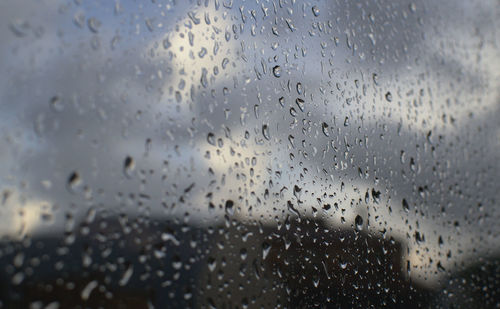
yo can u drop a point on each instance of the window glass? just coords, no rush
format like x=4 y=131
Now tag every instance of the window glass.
x=249 y=154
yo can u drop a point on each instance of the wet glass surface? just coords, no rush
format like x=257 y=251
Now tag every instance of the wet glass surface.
x=249 y=154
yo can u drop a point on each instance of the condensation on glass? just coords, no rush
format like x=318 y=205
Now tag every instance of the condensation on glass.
x=249 y=154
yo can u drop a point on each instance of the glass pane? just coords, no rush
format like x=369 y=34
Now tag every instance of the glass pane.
x=249 y=154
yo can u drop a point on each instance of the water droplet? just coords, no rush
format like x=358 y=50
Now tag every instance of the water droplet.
x=419 y=238
x=148 y=145
x=376 y=196
x=282 y=101
x=230 y=207
x=212 y=263
x=406 y=207
x=243 y=254
x=56 y=104
x=52 y=305
x=324 y=128
x=19 y=27
x=18 y=278
x=388 y=97
x=300 y=103
x=277 y=71
x=74 y=181
x=316 y=281
x=176 y=263
x=128 y=166
x=188 y=295
x=94 y=24
x=168 y=235
x=265 y=250
x=291 y=139
x=149 y=24
x=315 y=11
x=300 y=88
x=297 y=192
x=85 y=294
x=413 y=166
x=211 y=138
x=359 y=222
x=343 y=265
x=127 y=275
x=265 y=132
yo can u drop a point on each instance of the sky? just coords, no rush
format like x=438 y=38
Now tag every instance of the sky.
x=375 y=104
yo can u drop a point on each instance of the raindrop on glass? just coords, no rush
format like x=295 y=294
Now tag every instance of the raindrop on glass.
x=211 y=139
x=324 y=128
x=265 y=132
x=359 y=222
x=128 y=166
x=388 y=97
x=277 y=71
x=315 y=11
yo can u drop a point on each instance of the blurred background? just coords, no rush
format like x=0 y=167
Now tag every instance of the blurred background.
x=249 y=154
